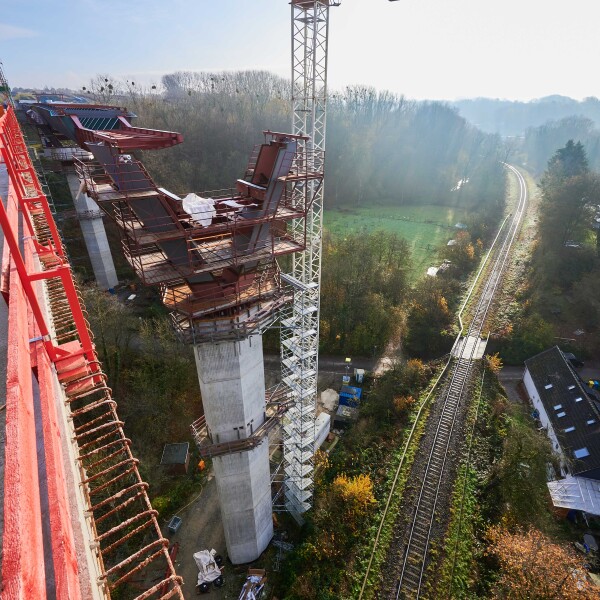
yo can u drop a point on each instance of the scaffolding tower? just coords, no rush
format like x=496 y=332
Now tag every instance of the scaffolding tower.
x=300 y=326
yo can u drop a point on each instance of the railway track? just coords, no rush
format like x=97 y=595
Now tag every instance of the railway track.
x=432 y=494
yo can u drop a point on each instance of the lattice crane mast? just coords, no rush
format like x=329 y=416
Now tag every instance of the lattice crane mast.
x=300 y=327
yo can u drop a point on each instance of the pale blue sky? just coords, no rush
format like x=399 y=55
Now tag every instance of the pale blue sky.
x=439 y=49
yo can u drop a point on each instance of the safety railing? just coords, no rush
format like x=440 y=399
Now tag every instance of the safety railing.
x=124 y=528
x=209 y=448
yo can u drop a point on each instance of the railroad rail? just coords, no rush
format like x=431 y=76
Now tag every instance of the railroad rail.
x=414 y=561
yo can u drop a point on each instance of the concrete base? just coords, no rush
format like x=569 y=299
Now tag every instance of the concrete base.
x=232 y=384
x=94 y=235
x=244 y=484
x=470 y=347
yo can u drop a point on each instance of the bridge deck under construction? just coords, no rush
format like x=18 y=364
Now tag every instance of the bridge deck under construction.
x=68 y=464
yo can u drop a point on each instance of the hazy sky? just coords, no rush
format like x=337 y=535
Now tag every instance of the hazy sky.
x=438 y=49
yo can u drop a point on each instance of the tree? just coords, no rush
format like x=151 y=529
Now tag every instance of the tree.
x=402 y=405
x=569 y=161
x=428 y=321
x=541 y=142
x=462 y=254
x=355 y=495
x=521 y=473
x=364 y=281
x=114 y=329
x=104 y=89
x=567 y=207
x=532 y=566
x=493 y=363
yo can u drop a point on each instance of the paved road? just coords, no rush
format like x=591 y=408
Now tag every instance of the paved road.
x=331 y=364
x=201 y=529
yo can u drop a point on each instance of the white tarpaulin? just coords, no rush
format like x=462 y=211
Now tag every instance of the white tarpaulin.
x=207 y=567
x=202 y=210
x=330 y=399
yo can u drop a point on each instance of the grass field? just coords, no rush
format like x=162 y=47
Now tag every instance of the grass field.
x=425 y=227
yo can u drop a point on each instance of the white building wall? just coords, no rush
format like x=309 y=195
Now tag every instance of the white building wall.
x=534 y=396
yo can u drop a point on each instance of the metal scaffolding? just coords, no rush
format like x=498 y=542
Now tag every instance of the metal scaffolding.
x=300 y=327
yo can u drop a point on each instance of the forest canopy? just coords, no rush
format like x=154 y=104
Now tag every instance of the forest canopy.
x=381 y=149
x=380 y=146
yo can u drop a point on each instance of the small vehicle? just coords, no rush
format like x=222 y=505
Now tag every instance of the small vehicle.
x=208 y=570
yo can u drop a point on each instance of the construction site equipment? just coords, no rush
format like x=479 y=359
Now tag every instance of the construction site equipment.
x=90 y=123
x=300 y=323
x=208 y=569
x=214 y=257
x=217 y=273
x=174 y=524
x=254 y=585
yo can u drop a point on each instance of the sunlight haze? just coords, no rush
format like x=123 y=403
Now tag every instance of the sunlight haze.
x=421 y=48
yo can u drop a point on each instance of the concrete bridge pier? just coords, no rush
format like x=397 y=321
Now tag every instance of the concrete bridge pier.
x=94 y=234
x=232 y=383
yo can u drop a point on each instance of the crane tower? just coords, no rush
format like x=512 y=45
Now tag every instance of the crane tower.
x=300 y=327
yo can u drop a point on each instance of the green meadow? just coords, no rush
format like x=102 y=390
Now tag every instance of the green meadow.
x=425 y=227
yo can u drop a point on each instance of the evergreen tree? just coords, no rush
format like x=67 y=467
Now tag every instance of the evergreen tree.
x=569 y=161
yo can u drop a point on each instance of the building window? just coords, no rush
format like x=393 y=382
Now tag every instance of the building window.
x=571 y=387
x=578 y=399
x=561 y=414
x=581 y=453
x=557 y=406
x=548 y=387
x=569 y=429
x=591 y=421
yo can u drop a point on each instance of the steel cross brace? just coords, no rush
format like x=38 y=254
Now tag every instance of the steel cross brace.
x=52 y=250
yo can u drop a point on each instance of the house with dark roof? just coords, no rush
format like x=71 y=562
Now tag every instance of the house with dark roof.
x=571 y=419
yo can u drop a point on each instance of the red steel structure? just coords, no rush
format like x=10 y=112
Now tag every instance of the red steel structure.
x=96 y=123
x=99 y=531
x=218 y=275
x=220 y=278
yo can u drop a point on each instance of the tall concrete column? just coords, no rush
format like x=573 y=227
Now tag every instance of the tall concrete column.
x=232 y=383
x=94 y=234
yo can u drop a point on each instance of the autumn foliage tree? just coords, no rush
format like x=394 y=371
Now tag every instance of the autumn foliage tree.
x=355 y=495
x=402 y=404
x=493 y=363
x=532 y=566
x=428 y=321
x=463 y=253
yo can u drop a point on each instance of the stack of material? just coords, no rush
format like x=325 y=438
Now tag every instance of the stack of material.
x=255 y=583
